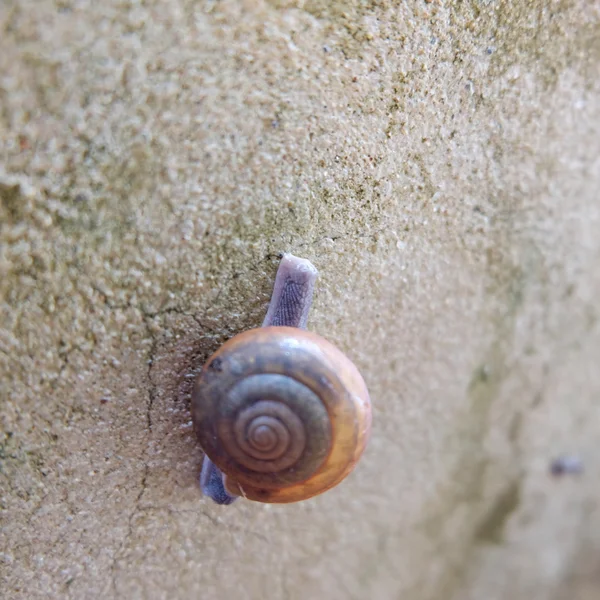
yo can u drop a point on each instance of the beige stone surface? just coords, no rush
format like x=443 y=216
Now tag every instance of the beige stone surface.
x=439 y=162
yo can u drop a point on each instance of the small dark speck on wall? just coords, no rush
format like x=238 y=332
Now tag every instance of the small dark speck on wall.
x=566 y=465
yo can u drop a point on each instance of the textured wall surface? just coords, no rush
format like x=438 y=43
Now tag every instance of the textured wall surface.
x=439 y=162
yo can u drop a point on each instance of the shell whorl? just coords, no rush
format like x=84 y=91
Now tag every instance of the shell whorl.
x=274 y=427
x=282 y=412
x=270 y=434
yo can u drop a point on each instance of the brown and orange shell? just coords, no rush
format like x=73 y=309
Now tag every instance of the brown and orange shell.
x=282 y=412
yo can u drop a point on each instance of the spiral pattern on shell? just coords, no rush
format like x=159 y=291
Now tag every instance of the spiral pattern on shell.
x=282 y=412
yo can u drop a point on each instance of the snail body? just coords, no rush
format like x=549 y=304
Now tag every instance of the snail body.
x=281 y=413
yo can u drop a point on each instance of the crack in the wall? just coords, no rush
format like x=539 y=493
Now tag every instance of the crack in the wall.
x=151 y=384
x=130 y=528
x=150 y=404
x=146 y=468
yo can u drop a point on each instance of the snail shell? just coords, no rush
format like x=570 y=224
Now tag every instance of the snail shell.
x=282 y=412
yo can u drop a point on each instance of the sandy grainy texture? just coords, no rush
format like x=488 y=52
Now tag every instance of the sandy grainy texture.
x=439 y=162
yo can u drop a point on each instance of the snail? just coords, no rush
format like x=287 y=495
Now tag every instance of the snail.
x=281 y=413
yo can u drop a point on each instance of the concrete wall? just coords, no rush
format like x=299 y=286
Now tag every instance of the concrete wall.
x=439 y=162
